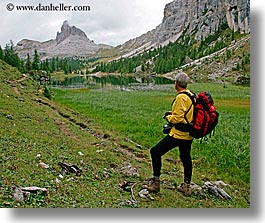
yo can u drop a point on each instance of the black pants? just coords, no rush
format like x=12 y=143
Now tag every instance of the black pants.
x=167 y=144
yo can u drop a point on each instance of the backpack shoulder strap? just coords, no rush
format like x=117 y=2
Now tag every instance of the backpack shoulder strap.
x=192 y=98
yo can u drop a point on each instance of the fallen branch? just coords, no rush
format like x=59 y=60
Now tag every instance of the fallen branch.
x=133 y=197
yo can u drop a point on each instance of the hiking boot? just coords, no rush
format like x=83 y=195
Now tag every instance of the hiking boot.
x=153 y=185
x=184 y=188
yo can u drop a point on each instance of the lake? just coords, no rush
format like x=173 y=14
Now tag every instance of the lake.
x=108 y=81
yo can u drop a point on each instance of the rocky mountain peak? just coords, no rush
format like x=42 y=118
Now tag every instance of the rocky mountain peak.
x=69 y=42
x=203 y=17
x=192 y=17
x=65 y=25
x=67 y=30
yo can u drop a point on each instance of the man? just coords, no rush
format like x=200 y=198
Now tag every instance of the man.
x=182 y=111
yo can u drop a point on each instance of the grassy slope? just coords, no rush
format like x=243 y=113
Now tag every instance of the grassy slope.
x=32 y=125
x=28 y=128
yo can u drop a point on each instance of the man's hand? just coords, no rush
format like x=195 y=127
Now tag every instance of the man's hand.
x=166 y=114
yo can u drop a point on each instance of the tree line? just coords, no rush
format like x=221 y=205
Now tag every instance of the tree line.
x=156 y=60
x=9 y=56
x=167 y=58
x=67 y=65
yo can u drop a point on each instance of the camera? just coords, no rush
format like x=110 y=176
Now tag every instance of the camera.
x=167 y=128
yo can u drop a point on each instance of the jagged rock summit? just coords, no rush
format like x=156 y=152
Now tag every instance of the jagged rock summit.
x=70 y=42
x=67 y=30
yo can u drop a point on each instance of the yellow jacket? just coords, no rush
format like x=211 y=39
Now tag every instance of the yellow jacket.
x=180 y=107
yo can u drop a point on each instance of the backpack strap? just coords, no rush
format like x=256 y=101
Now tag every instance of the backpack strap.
x=181 y=126
x=192 y=98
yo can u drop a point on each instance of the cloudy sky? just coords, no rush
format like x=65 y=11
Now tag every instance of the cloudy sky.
x=108 y=21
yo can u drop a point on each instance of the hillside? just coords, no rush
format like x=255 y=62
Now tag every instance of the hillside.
x=230 y=64
x=34 y=129
x=221 y=57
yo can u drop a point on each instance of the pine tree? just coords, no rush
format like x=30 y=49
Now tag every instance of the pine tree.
x=22 y=67
x=36 y=60
x=28 y=63
x=10 y=57
x=1 y=53
x=46 y=65
x=52 y=65
x=57 y=64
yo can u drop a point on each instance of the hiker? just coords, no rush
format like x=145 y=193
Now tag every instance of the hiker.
x=182 y=106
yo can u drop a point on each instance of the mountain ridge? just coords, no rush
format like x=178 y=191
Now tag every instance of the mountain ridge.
x=70 y=42
x=191 y=17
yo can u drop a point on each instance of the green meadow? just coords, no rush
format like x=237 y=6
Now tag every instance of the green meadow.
x=137 y=115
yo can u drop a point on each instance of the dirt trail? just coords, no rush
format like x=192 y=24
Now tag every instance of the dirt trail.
x=16 y=90
x=25 y=76
x=62 y=119
x=62 y=125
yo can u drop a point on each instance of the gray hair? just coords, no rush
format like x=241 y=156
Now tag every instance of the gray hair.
x=182 y=79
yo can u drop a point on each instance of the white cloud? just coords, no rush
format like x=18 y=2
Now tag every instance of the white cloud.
x=108 y=21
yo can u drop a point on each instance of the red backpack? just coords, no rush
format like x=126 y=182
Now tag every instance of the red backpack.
x=205 y=116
